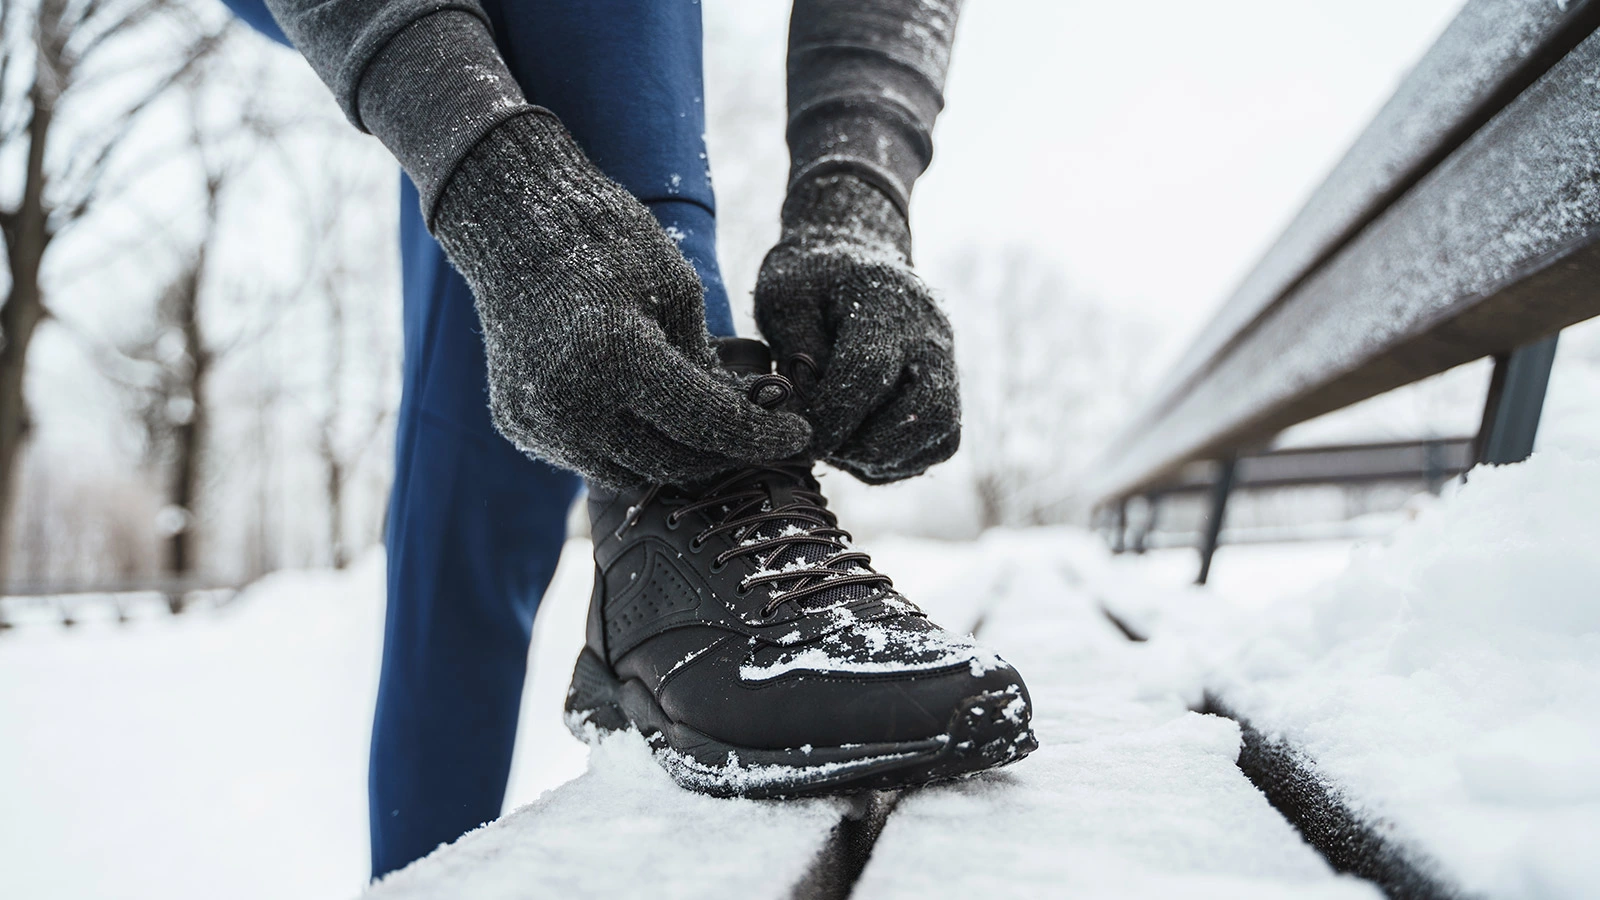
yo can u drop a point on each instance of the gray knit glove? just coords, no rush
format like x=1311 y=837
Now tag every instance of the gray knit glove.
x=837 y=297
x=599 y=360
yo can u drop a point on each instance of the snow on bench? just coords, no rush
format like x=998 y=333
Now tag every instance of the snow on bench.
x=1446 y=687
x=624 y=829
x=1129 y=795
x=1445 y=693
x=1130 y=792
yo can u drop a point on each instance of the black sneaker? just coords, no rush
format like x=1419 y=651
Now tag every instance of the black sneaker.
x=761 y=655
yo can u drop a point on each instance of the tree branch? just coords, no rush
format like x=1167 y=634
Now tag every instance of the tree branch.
x=83 y=199
x=133 y=18
x=6 y=51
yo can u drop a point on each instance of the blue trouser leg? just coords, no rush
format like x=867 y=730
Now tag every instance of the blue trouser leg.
x=475 y=528
x=255 y=14
x=475 y=531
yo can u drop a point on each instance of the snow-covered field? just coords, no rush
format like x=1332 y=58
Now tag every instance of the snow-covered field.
x=1448 y=680
x=217 y=754
x=223 y=753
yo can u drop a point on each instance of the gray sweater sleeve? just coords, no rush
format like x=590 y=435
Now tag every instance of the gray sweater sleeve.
x=866 y=81
x=423 y=76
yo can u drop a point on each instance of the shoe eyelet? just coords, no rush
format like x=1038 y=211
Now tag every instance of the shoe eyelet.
x=717 y=565
x=672 y=522
x=696 y=545
x=742 y=590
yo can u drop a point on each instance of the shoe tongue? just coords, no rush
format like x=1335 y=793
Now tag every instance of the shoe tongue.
x=743 y=356
x=747 y=357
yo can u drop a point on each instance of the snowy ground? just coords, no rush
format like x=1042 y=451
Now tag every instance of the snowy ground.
x=224 y=752
x=217 y=754
x=1449 y=681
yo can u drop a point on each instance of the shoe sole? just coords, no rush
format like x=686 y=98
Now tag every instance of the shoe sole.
x=988 y=730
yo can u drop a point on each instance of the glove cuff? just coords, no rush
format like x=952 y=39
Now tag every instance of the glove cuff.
x=527 y=215
x=844 y=209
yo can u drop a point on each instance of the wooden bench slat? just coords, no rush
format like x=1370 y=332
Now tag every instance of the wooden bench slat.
x=1129 y=794
x=623 y=829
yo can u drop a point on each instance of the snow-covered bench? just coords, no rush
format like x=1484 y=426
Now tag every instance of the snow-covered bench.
x=1450 y=738
x=1463 y=223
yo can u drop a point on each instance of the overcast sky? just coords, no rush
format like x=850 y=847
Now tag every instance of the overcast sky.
x=1154 y=149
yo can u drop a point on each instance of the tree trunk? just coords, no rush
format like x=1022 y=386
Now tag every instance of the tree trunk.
x=336 y=480
x=332 y=456
x=27 y=235
x=188 y=436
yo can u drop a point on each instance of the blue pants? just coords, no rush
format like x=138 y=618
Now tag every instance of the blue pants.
x=475 y=528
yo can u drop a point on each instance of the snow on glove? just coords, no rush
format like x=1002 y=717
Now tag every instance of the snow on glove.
x=838 y=294
x=594 y=324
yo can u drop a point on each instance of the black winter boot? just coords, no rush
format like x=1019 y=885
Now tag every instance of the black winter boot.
x=761 y=655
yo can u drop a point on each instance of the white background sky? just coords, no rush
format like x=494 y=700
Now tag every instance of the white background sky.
x=1155 y=149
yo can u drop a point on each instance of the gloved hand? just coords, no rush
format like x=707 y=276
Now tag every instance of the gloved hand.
x=599 y=360
x=839 y=290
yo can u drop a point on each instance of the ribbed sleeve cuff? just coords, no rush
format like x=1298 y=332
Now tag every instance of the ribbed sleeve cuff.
x=876 y=142
x=341 y=38
x=865 y=85
x=432 y=92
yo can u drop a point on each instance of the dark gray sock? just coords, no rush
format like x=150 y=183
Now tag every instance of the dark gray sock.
x=599 y=359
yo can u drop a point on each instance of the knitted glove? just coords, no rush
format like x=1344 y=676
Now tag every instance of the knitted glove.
x=839 y=289
x=599 y=360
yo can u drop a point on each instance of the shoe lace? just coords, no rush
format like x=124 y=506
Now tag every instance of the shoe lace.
x=800 y=550
x=799 y=547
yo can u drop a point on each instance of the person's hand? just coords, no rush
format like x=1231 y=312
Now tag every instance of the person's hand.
x=859 y=332
x=593 y=321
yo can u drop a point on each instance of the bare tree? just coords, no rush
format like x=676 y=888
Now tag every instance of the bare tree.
x=175 y=358
x=171 y=398
x=53 y=53
x=339 y=450
x=1045 y=371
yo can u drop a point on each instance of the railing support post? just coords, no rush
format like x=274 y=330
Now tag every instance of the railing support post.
x=1220 y=489
x=1433 y=467
x=1119 y=527
x=1141 y=535
x=1515 y=402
